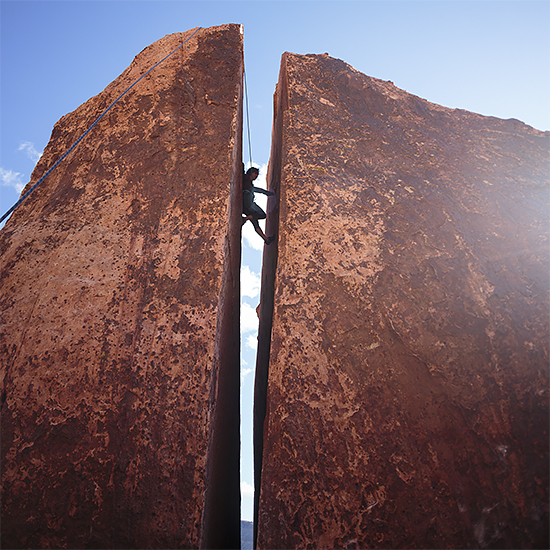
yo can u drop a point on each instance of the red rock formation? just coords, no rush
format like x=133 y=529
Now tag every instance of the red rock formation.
x=407 y=402
x=120 y=301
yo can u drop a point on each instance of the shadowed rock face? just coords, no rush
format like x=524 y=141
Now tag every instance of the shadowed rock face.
x=407 y=402
x=114 y=275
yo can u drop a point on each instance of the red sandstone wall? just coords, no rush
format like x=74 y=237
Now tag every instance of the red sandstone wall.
x=113 y=281
x=407 y=403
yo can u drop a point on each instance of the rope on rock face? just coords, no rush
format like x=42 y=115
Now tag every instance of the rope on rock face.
x=90 y=128
x=247 y=118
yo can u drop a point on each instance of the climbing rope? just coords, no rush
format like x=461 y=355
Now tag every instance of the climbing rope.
x=247 y=118
x=90 y=129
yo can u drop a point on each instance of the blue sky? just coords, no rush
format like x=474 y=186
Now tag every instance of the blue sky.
x=487 y=56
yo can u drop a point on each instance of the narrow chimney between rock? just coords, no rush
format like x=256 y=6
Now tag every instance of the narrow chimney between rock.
x=269 y=267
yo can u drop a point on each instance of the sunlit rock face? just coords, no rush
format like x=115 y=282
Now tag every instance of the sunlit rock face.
x=112 y=277
x=407 y=402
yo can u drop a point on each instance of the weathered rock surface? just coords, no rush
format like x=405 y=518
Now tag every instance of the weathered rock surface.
x=407 y=402
x=120 y=297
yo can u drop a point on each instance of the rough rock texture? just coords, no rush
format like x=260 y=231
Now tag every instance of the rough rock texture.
x=407 y=403
x=120 y=297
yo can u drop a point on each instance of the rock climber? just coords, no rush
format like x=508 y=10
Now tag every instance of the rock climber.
x=251 y=210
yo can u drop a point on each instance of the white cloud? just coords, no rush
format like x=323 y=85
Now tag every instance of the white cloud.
x=244 y=374
x=252 y=239
x=261 y=200
x=30 y=151
x=250 y=282
x=12 y=179
x=252 y=341
x=247 y=491
x=249 y=318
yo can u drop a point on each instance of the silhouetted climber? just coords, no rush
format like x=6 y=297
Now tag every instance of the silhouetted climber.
x=251 y=210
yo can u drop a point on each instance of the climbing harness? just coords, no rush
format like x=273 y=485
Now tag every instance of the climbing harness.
x=90 y=128
x=247 y=118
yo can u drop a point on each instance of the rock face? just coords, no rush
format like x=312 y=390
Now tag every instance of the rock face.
x=120 y=312
x=407 y=399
